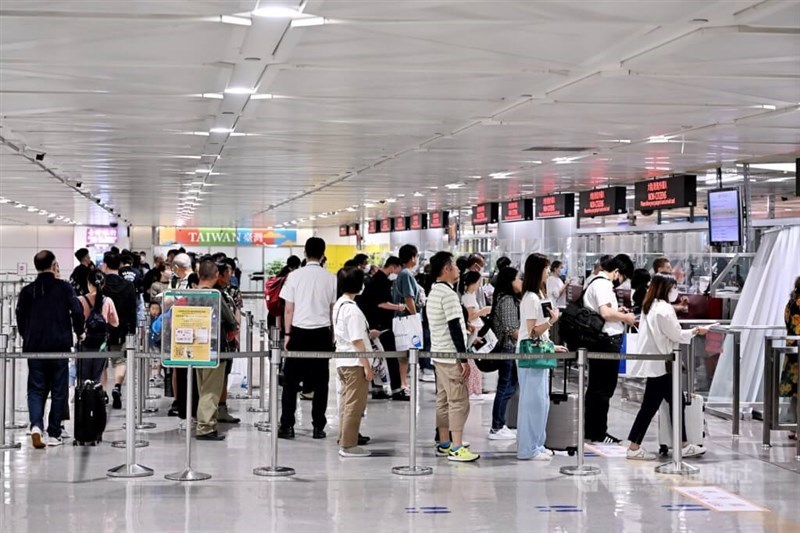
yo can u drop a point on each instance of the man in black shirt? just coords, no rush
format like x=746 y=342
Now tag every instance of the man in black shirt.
x=376 y=304
x=123 y=294
x=79 y=279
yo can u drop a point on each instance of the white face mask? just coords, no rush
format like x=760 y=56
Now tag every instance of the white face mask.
x=392 y=277
x=365 y=268
x=673 y=295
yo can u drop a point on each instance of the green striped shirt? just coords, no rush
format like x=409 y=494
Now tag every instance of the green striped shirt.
x=442 y=307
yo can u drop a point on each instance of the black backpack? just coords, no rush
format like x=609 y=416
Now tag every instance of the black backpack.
x=96 y=329
x=580 y=327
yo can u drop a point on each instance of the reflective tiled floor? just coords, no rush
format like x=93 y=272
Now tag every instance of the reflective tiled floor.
x=66 y=489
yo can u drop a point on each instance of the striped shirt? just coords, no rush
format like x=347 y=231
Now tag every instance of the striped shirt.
x=442 y=307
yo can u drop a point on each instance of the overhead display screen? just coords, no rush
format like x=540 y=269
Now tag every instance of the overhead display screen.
x=401 y=223
x=485 y=213
x=725 y=217
x=386 y=225
x=666 y=193
x=419 y=221
x=438 y=219
x=352 y=229
x=343 y=231
x=517 y=210
x=555 y=206
x=374 y=226
x=602 y=202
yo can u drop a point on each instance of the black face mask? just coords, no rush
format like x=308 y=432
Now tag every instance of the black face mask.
x=617 y=283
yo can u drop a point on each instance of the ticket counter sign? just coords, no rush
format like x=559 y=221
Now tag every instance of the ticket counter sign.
x=602 y=202
x=666 y=193
x=555 y=206
x=190 y=328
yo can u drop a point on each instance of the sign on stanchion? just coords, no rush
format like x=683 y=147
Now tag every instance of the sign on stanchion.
x=273 y=470
x=3 y=352
x=412 y=469
x=677 y=466
x=190 y=339
x=130 y=469
x=581 y=469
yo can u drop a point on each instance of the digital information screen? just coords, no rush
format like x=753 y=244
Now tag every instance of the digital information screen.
x=401 y=223
x=386 y=225
x=485 y=213
x=374 y=226
x=343 y=231
x=555 y=206
x=419 y=221
x=438 y=219
x=602 y=202
x=666 y=193
x=725 y=217
x=517 y=210
x=352 y=230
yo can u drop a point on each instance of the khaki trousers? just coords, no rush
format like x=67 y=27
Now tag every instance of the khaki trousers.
x=352 y=405
x=452 y=397
x=209 y=383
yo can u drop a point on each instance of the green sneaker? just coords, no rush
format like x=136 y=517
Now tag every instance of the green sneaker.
x=442 y=451
x=462 y=455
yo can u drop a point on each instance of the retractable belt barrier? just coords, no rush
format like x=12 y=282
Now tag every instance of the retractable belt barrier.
x=131 y=469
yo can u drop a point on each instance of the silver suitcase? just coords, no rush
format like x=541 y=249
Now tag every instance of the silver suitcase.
x=695 y=421
x=562 y=421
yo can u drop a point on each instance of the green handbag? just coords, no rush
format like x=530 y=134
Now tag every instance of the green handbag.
x=537 y=346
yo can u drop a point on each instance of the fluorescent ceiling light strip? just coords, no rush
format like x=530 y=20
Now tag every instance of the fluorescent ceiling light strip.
x=237 y=21
x=278 y=12
x=239 y=90
x=309 y=21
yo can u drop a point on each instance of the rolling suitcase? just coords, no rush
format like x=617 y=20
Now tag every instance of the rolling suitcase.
x=512 y=409
x=695 y=420
x=90 y=411
x=562 y=421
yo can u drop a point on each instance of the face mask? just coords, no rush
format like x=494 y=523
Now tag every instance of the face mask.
x=365 y=269
x=673 y=295
x=392 y=277
x=616 y=283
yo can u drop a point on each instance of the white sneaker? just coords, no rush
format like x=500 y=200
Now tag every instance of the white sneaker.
x=542 y=456
x=549 y=452
x=640 y=455
x=502 y=434
x=55 y=441
x=354 y=451
x=475 y=398
x=36 y=438
x=64 y=434
x=427 y=376
x=693 y=450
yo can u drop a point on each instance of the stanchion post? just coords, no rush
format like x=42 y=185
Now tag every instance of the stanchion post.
x=736 y=413
x=262 y=371
x=248 y=347
x=581 y=469
x=275 y=341
x=11 y=422
x=130 y=469
x=766 y=418
x=3 y=352
x=677 y=466
x=188 y=474
x=141 y=377
x=412 y=469
x=273 y=470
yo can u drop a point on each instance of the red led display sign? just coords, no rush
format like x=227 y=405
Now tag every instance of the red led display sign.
x=374 y=226
x=386 y=225
x=601 y=202
x=401 y=223
x=419 y=221
x=485 y=213
x=555 y=206
x=343 y=231
x=517 y=210
x=666 y=193
x=438 y=219
x=352 y=230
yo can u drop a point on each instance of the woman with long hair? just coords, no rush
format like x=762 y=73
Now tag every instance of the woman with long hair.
x=659 y=333
x=94 y=301
x=788 y=384
x=534 y=399
x=505 y=324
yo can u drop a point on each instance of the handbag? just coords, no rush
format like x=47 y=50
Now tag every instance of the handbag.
x=407 y=331
x=537 y=346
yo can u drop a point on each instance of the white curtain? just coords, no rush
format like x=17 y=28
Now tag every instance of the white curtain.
x=763 y=299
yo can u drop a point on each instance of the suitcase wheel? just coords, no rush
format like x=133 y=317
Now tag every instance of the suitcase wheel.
x=571 y=452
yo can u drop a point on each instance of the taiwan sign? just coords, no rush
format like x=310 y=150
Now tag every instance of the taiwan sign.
x=227 y=237
x=666 y=193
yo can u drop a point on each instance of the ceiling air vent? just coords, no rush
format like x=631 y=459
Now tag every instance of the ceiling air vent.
x=570 y=149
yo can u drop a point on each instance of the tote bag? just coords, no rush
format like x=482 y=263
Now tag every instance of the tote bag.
x=533 y=346
x=407 y=332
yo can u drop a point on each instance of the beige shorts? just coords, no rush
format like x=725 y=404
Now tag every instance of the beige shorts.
x=118 y=357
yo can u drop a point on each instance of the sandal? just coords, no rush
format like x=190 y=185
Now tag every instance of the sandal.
x=792 y=435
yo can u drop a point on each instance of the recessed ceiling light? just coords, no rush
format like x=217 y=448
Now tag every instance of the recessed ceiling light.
x=238 y=21
x=4 y=200
x=32 y=209
x=418 y=194
x=19 y=206
x=210 y=96
x=658 y=139
x=391 y=200
x=239 y=90
x=500 y=175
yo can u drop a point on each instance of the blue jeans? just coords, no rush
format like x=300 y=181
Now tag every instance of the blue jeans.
x=506 y=387
x=47 y=376
x=534 y=405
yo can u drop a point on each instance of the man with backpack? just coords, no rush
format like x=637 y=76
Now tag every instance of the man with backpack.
x=123 y=294
x=272 y=290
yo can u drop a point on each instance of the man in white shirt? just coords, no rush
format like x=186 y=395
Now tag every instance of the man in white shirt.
x=596 y=269
x=601 y=298
x=556 y=289
x=309 y=293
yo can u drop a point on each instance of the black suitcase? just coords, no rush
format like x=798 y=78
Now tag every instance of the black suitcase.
x=90 y=411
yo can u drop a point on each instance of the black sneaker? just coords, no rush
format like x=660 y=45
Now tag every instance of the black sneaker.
x=319 y=434
x=401 y=396
x=286 y=433
x=211 y=436
x=380 y=395
x=362 y=440
x=611 y=439
x=116 y=396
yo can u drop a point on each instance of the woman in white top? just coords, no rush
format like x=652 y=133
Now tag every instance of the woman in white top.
x=352 y=334
x=472 y=281
x=556 y=289
x=534 y=399
x=659 y=333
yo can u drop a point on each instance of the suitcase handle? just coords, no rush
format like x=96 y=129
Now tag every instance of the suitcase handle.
x=557 y=396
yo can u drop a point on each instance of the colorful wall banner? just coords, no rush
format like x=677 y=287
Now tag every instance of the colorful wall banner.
x=227 y=237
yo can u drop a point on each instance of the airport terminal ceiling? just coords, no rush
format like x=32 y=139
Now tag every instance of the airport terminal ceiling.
x=247 y=113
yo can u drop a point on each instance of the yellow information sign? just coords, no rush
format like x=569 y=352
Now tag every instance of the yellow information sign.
x=191 y=334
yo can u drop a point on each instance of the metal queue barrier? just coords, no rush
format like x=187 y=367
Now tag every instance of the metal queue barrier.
x=247 y=319
x=772 y=372
x=262 y=371
x=14 y=346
